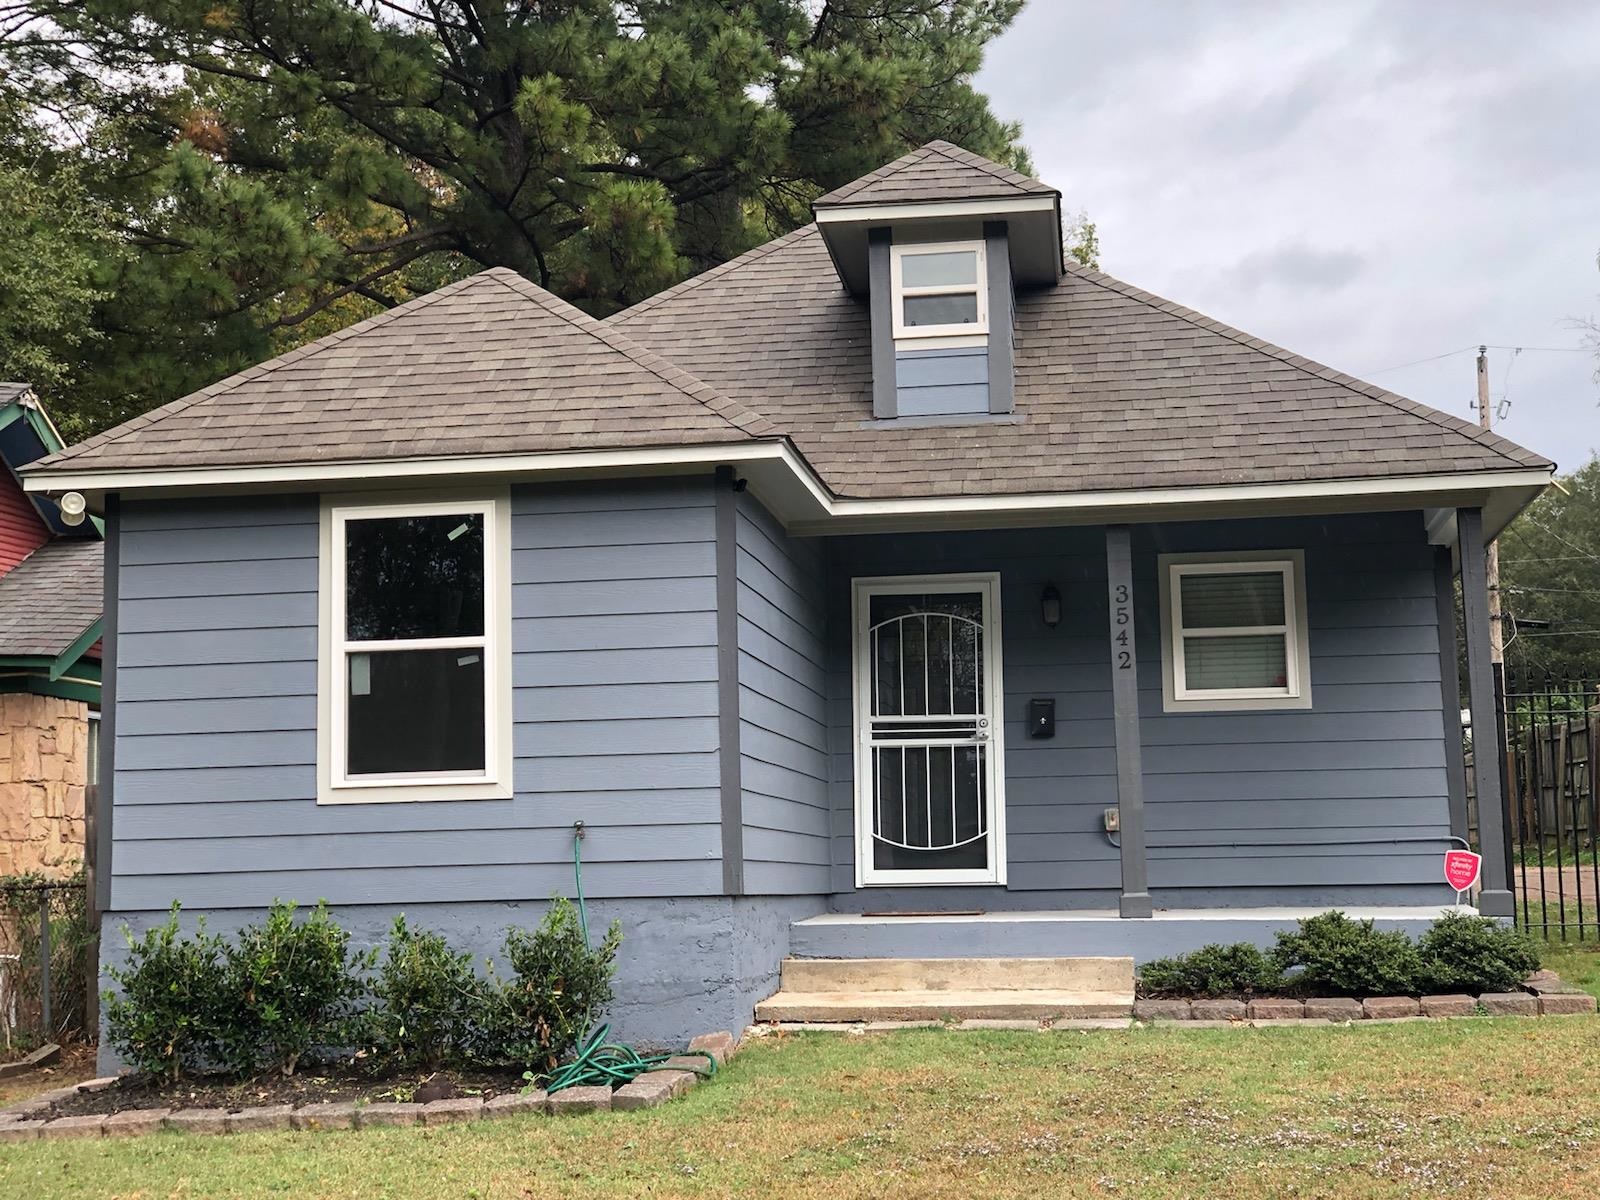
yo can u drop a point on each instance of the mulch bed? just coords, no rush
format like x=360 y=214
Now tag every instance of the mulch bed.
x=312 y=1085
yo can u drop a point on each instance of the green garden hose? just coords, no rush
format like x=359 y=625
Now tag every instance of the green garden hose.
x=600 y=1063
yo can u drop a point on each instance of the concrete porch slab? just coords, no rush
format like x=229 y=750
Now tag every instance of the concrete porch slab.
x=1067 y=933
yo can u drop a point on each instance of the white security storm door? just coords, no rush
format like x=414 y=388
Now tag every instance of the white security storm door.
x=929 y=807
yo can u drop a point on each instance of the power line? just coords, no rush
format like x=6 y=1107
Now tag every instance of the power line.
x=1567 y=542
x=1417 y=362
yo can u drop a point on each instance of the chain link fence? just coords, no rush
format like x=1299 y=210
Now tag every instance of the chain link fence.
x=46 y=967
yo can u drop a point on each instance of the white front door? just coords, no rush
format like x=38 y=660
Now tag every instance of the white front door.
x=929 y=804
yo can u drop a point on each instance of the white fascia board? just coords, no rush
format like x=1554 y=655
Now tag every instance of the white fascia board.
x=789 y=486
x=1151 y=504
x=857 y=213
x=392 y=471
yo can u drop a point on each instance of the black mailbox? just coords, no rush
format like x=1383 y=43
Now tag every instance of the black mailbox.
x=1042 y=718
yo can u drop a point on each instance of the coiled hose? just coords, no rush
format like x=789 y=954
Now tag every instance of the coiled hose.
x=599 y=1062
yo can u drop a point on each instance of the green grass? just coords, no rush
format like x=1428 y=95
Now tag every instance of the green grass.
x=1578 y=963
x=1478 y=1107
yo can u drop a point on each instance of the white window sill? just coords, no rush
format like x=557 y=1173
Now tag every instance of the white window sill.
x=407 y=793
x=1219 y=704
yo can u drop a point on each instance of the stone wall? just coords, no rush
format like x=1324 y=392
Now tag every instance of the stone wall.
x=44 y=767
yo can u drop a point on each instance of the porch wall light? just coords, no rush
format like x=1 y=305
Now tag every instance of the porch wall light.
x=1050 y=606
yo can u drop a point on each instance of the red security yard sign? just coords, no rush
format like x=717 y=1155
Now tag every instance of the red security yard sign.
x=1461 y=869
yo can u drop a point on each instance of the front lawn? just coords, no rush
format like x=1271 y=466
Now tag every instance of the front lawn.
x=1479 y=1107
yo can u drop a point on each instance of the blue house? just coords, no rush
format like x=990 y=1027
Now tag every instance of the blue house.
x=898 y=589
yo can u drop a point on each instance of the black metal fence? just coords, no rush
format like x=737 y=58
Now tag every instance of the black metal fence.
x=1551 y=731
x=46 y=963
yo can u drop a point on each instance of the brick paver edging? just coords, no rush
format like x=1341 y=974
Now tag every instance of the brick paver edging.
x=21 y=1121
x=1342 y=1009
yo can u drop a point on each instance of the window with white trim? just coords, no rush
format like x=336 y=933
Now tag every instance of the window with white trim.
x=414 y=680
x=1234 y=631
x=939 y=289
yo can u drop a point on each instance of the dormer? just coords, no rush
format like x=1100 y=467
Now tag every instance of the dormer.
x=937 y=242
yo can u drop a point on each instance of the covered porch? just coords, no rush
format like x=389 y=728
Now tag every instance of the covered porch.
x=1015 y=767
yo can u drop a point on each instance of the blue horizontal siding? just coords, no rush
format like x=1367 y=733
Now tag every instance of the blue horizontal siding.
x=931 y=383
x=783 y=705
x=614 y=678
x=1307 y=789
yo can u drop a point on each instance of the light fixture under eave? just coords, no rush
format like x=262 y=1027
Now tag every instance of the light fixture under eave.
x=73 y=508
x=1050 y=606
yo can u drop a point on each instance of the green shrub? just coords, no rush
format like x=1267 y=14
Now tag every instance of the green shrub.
x=426 y=1000
x=1462 y=953
x=1240 y=969
x=557 y=988
x=291 y=986
x=1332 y=953
x=165 y=1020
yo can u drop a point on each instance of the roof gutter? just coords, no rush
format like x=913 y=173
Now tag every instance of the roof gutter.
x=788 y=485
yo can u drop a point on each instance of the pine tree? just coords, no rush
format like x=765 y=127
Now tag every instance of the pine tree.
x=276 y=168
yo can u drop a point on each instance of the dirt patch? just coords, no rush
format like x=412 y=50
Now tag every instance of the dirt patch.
x=74 y=1066
x=311 y=1086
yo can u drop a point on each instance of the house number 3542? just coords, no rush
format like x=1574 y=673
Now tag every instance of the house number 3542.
x=1122 y=618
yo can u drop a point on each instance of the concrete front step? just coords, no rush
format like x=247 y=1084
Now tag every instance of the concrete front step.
x=913 y=1005
x=900 y=975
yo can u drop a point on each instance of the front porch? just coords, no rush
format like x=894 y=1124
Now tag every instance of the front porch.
x=1053 y=773
x=1068 y=933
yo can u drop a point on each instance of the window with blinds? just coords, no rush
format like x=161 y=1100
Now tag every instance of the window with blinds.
x=1233 y=630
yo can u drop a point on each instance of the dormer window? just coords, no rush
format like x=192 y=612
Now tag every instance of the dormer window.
x=939 y=289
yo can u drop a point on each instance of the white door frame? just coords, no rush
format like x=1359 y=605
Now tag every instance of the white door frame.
x=987 y=585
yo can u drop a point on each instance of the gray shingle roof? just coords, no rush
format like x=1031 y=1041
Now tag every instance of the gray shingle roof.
x=489 y=365
x=49 y=598
x=937 y=171
x=1115 y=388
x=13 y=391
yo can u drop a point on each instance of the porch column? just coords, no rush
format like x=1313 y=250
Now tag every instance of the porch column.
x=1494 y=899
x=1135 y=900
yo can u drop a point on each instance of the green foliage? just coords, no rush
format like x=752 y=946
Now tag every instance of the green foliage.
x=1550 y=571
x=289 y=987
x=268 y=172
x=557 y=988
x=56 y=243
x=71 y=957
x=172 y=1001
x=1240 y=969
x=285 y=988
x=426 y=1000
x=1330 y=953
x=1463 y=953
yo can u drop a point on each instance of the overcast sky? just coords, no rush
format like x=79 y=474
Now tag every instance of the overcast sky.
x=1364 y=183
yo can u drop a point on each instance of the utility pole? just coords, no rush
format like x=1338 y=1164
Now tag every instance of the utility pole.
x=1497 y=643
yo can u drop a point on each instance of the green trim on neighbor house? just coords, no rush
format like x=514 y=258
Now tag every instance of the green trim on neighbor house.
x=78 y=647
x=68 y=675
x=87 y=690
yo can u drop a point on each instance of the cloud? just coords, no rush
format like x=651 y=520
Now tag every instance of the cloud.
x=1366 y=183
x=1298 y=268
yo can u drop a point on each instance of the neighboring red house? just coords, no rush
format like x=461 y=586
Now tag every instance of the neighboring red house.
x=50 y=609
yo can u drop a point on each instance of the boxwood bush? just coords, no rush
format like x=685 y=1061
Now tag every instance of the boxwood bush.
x=290 y=989
x=1462 y=953
x=1331 y=954
x=170 y=1010
x=426 y=1000
x=557 y=987
x=1239 y=970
